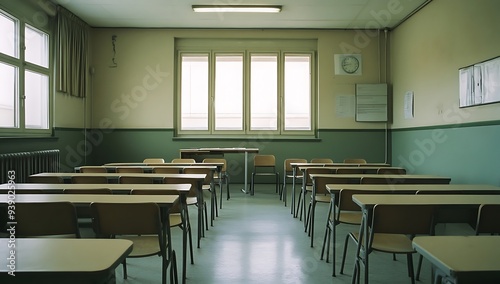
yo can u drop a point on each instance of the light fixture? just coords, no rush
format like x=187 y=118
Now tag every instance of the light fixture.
x=237 y=8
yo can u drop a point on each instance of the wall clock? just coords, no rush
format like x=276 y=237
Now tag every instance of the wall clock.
x=348 y=64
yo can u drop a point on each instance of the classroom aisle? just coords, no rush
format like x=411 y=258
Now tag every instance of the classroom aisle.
x=256 y=240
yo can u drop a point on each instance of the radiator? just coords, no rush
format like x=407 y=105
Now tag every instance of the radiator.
x=25 y=164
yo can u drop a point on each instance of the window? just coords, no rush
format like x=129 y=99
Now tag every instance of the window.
x=245 y=92
x=24 y=77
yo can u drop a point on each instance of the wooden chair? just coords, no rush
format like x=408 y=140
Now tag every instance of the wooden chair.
x=175 y=215
x=309 y=186
x=222 y=177
x=93 y=169
x=83 y=212
x=208 y=187
x=183 y=161
x=46 y=219
x=136 y=180
x=288 y=174
x=322 y=160
x=391 y=231
x=355 y=161
x=137 y=170
x=89 y=179
x=153 y=161
x=41 y=179
x=487 y=219
x=322 y=195
x=264 y=165
x=138 y=222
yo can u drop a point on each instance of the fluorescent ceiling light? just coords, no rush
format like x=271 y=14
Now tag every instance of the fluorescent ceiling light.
x=237 y=8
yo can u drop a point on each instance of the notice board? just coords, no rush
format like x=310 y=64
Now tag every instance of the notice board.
x=371 y=102
x=480 y=83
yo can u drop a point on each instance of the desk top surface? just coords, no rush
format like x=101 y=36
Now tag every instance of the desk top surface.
x=89 y=198
x=369 y=200
x=411 y=187
x=460 y=254
x=350 y=165
x=113 y=186
x=112 y=175
x=394 y=177
x=64 y=255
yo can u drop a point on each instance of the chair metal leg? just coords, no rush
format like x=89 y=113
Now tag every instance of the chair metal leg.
x=419 y=267
x=346 y=242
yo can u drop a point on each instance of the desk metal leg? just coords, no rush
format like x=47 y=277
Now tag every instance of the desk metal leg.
x=245 y=189
x=294 y=171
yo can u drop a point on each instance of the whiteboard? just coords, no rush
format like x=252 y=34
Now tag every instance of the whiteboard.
x=480 y=83
x=371 y=102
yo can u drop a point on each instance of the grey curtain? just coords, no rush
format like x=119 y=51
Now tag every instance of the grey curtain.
x=72 y=54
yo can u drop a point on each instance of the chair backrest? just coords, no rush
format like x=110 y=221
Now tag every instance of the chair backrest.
x=154 y=160
x=321 y=182
x=322 y=160
x=93 y=169
x=288 y=168
x=194 y=170
x=403 y=219
x=345 y=198
x=217 y=160
x=166 y=170
x=42 y=179
x=88 y=179
x=46 y=219
x=138 y=179
x=351 y=170
x=316 y=170
x=112 y=219
x=183 y=161
x=264 y=161
x=87 y=191
x=487 y=219
x=355 y=161
x=391 y=171
x=129 y=170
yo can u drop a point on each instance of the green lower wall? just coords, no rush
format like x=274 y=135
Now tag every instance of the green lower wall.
x=133 y=145
x=466 y=153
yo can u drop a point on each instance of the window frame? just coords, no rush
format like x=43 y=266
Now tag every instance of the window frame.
x=19 y=62
x=246 y=131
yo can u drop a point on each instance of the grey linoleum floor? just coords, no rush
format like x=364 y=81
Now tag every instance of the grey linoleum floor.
x=255 y=239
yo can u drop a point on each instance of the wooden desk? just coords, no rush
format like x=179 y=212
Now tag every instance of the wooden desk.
x=296 y=167
x=367 y=201
x=165 y=202
x=61 y=261
x=461 y=259
x=193 y=153
x=116 y=188
x=335 y=189
x=393 y=179
x=159 y=177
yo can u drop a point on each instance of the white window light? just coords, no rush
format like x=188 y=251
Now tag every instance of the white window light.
x=237 y=8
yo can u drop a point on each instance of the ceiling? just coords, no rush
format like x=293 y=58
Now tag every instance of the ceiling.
x=296 y=14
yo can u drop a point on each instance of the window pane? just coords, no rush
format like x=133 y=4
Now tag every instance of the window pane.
x=194 y=92
x=297 y=92
x=8 y=95
x=8 y=36
x=37 y=47
x=264 y=92
x=229 y=92
x=36 y=90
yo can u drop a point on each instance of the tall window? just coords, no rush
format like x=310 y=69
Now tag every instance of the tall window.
x=24 y=77
x=246 y=92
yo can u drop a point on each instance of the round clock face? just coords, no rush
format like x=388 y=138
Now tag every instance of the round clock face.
x=350 y=64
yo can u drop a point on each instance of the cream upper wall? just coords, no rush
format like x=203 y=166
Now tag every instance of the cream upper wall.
x=428 y=49
x=140 y=91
